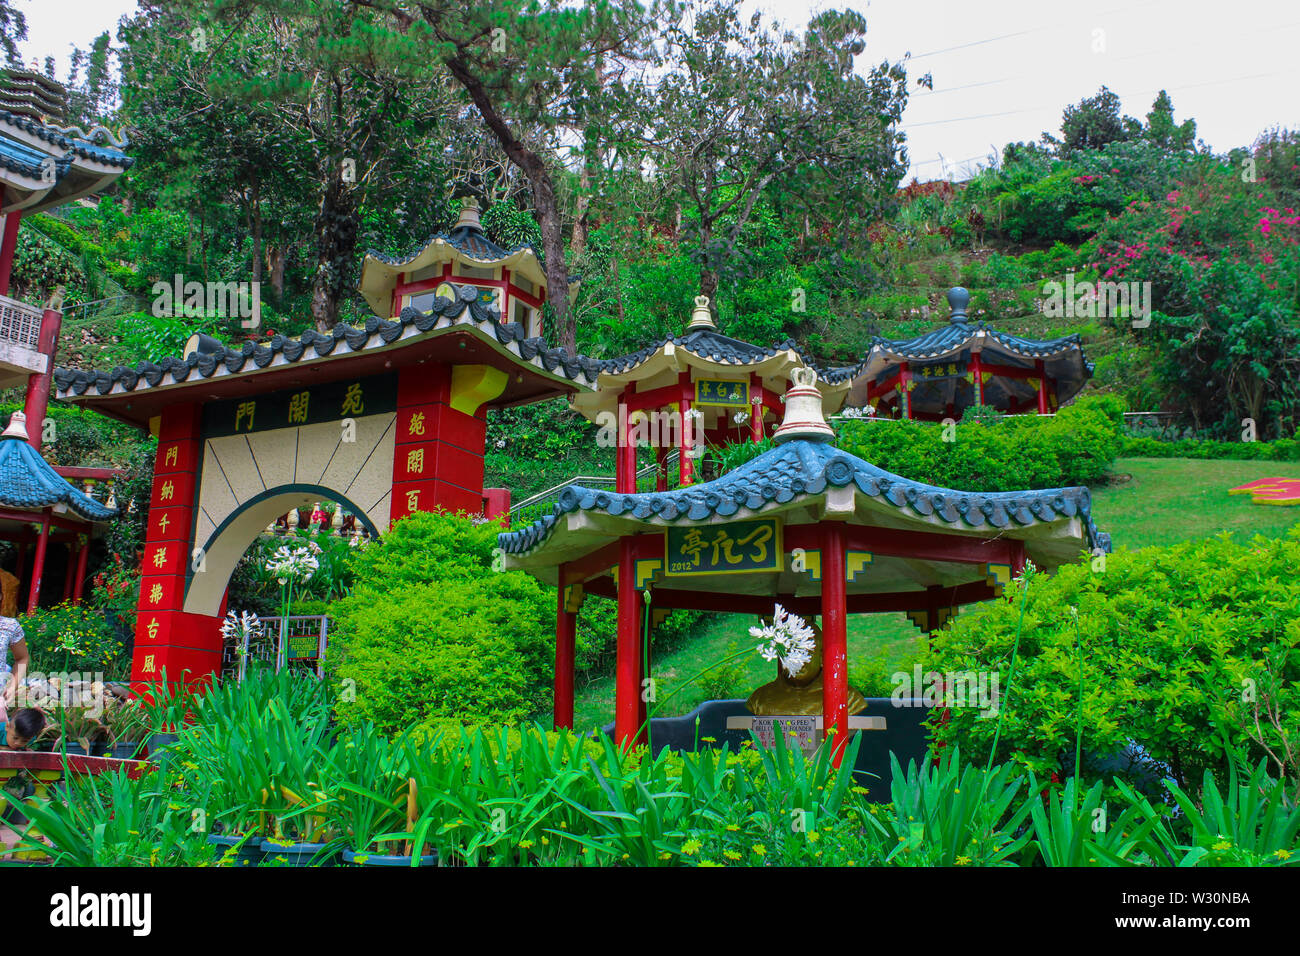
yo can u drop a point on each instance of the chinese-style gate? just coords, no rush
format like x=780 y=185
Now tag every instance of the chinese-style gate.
x=386 y=420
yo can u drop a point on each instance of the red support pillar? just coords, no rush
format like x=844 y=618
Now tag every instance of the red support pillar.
x=977 y=371
x=625 y=461
x=38 y=385
x=38 y=565
x=7 y=246
x=685 y=463
x=83 y=554
x=627 y=689
x=1042 y=388
x=835 y=644
x=904 y=390
x=755 y=408
x=566 y=623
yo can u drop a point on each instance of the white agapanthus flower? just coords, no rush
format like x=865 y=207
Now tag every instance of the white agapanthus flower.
x=788 y=638
x=246 y=622
x=294 y=564
x=740 y=418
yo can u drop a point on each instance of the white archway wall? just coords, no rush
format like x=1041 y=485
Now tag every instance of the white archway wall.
x=237 y=468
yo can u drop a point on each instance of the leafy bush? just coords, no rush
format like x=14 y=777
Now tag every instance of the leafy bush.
x=1284 y=449
x=1175 y=648
x=73 y=637
x=1076 y=447
x=432 y=633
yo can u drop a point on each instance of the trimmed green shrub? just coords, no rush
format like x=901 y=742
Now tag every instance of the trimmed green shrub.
x=1181 y=649
x=1284 y=449
x=431 y=632
x=1076 y=447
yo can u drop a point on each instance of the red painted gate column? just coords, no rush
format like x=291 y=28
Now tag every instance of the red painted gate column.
x=627 y=688
x=38 y=565
x=566 y=622
x=187 y=647
x=835 y=645
x=438 y=451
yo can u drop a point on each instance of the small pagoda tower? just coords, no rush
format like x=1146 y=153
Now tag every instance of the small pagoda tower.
x=940 y=374
x=512 y=281
x=693 y=389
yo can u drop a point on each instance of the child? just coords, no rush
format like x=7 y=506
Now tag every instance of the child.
x=20 y=730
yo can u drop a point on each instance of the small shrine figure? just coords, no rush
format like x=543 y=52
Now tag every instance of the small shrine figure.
x=800 y=695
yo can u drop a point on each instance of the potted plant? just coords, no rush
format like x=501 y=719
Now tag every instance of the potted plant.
x=128 y=726
x=82 y=733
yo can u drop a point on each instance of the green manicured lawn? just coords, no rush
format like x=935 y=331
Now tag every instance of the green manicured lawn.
x=1161 y=502
x=1168 y=500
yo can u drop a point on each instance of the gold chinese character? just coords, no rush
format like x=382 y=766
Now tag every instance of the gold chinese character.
x=171 y=455
x=155 y=594
x=352 y=400
x=245 y=410
x=413 y=500
x=152 y=628
x=162 y=524
x=693 y=544
x=160 y=557
x=167 y=490
x=148 y=664
x=417 y=423
x=298 y=408
x=415 y=461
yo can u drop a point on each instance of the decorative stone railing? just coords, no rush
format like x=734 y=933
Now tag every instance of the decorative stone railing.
x=20 y=323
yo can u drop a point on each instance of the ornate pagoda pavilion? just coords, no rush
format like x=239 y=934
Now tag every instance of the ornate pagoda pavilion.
x=806 y=525
x=43 y=164
x=940 y=374
x=700 y=387
x=38 y=507
x=510 y=280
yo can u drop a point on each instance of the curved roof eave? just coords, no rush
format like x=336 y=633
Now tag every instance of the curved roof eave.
x=801 y=470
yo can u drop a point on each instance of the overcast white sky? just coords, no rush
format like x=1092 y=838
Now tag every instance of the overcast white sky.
x=1003 y=69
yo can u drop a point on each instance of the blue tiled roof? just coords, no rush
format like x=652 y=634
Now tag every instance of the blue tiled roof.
x=69 y=144
x=464 y=309
x=716 y=347
x=800 y=468
x=467 y=240
x=27 y=481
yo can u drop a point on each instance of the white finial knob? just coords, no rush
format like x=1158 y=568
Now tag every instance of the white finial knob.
x=701 y=317
x=17 y=427
x=804 y=418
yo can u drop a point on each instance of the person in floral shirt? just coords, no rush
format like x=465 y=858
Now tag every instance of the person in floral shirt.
x=12 y=640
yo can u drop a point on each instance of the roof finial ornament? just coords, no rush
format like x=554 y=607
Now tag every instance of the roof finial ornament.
x=469 y=214
x=701 y=316
x=804 y=418
x=17 y=427
x=958 y=299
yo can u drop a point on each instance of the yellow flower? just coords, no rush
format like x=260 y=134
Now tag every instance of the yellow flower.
x=813 y=836
x=665 y=856
x=691 y=847
x=731 y=854
x=704 y=863
x=1283 y=854
x=525 y=844
x=963 y=861
x=759 y=849
x=1223 y=845
x=732 y=827
x=545 y=842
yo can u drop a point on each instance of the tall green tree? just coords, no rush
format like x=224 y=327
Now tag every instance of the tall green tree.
x=743 y=105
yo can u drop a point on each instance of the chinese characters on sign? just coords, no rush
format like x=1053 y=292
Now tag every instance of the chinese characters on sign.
x=726 y=394
x=296 y=407
x=742 y=546
x=939 y=370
